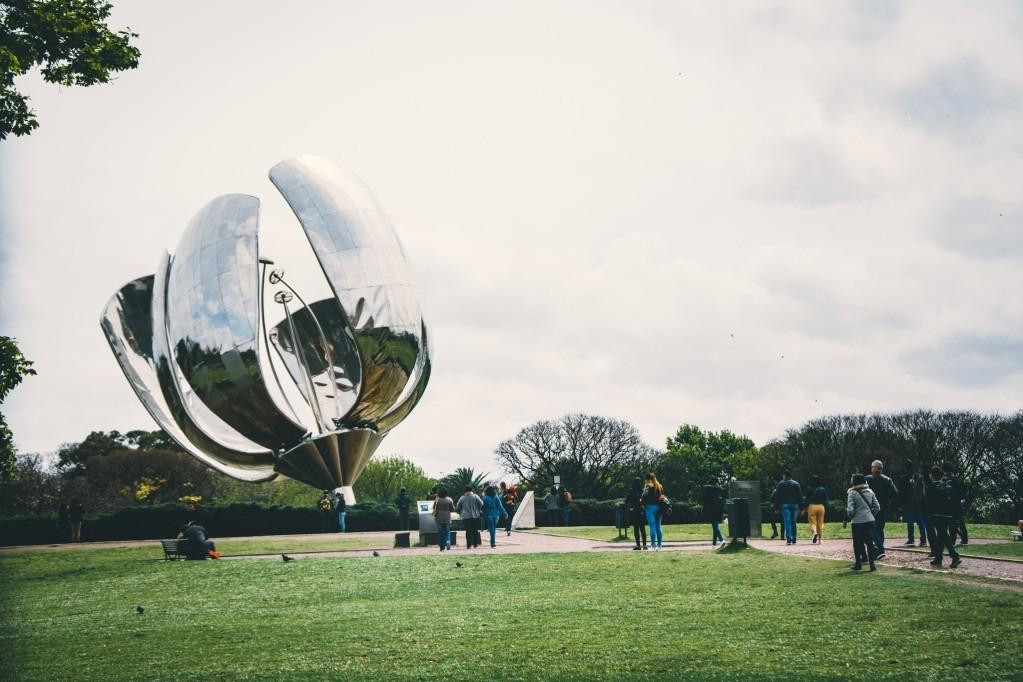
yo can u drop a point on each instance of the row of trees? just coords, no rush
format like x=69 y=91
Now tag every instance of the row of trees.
x=110 y=470
x=595 y=457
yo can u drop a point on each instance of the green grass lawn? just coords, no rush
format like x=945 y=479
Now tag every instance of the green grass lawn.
x=895 y=532
x=744 y=615
x=1008 y=550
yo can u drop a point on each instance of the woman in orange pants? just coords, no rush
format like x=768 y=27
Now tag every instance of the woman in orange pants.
x=816 y=498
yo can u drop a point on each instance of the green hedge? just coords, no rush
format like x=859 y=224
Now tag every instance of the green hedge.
x=163 y=521
x=602 y=513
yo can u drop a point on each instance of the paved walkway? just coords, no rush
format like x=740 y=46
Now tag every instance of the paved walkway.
x=517 y=543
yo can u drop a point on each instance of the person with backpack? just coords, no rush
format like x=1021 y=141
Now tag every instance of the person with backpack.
x=552 y=501
x=788 y=497
x=509 y=495
x=861 y=506
x=493 y=509
x=941 y=506
x=634 y=509
x=713 y=502
x=911 y=495
x=326 y=507
x=443 y=507
x=566 y=503
x=816 y=501
x=958 y=489
x=653 y=501
x=470 y=509
x=887 y=494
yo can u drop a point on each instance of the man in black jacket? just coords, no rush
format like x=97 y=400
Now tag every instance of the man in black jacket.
x=788 y=497
x=403 y=502
x=886 y=494
x=958 y=489
x=198 y=544
x=940 y=505
x=911 y=495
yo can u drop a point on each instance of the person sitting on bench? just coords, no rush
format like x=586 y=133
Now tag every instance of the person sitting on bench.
x=197 y=542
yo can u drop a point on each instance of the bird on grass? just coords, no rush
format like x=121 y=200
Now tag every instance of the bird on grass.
x=140 y=609
x=458 y=564
x=376 y=553
x=287 y=558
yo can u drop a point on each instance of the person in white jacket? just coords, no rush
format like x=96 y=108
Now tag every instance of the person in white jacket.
x=861 y=506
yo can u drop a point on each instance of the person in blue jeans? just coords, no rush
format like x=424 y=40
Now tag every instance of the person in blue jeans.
x=911 y=495
x=340 y=506
x=653 y=494
x=443 y=507
x=493 y=509
x=788 y=497
x=566 y=503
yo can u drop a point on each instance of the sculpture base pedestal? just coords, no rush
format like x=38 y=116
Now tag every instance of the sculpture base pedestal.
x=331 y=461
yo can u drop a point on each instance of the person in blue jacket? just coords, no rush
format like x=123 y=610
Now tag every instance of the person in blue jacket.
x=493 y=509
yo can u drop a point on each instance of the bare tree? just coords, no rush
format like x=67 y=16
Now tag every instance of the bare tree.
x=593 y=455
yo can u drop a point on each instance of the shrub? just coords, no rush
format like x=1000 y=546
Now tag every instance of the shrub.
x=163 y=521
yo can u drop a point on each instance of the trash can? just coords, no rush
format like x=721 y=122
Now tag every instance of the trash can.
x=402 y=539
x=737 y=509
x=621 y=520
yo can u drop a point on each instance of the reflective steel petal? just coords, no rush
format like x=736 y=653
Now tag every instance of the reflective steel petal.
x=128 y=325
x=213 y=317
x=336 y=384
x=366 y=267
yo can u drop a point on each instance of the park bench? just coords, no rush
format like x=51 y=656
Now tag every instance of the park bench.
x=173 y=549
x=1016 y=534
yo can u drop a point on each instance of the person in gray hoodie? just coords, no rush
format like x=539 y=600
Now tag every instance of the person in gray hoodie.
x=470 y=509
x=861 y=506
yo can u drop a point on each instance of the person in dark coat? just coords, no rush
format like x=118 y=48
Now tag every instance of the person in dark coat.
x=887 y=495
x=958 y=489
x=198 y=544
x=76 y=513
x=63 y=522
x=816 y=507
x=911 y=495
x=403 y=502
x=941 y=506
x=634 y=508
x=713 y=501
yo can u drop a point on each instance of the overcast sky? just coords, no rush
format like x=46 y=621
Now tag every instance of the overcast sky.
x=738 y=215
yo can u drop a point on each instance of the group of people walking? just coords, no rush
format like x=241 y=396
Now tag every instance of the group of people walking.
x=647 y=505
x=558 y=503
x=474 y=511
x=935 y=504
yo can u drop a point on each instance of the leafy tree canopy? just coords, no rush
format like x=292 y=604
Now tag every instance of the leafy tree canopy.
x=382 y=478
x=69 y=39
x=14 y=367
x=460 y=478
x=693 y=456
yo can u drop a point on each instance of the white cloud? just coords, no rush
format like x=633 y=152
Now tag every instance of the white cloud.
x=632 y=210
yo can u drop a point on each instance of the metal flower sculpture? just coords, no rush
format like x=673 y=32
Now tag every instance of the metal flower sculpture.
x=194 y=344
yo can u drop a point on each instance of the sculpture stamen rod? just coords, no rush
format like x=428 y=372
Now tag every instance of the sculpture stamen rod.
x=193 y=339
